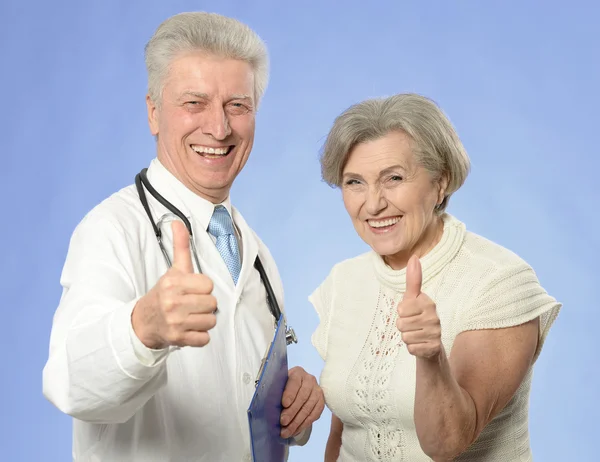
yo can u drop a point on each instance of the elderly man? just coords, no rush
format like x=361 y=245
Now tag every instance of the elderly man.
x=155 y=360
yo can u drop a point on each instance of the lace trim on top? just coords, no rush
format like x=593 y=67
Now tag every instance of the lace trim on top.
x=373 y=371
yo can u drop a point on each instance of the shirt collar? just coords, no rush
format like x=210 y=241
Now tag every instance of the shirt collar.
x=193 y=206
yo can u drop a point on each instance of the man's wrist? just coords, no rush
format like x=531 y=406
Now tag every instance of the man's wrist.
x=139 y=326
x=145 y=350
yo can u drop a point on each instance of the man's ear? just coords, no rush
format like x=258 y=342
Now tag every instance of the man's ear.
x=152 y=115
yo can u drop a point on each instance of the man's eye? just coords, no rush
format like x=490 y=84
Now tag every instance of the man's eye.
x=239 y=107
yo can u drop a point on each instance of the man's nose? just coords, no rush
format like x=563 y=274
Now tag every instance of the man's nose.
x=216 y=123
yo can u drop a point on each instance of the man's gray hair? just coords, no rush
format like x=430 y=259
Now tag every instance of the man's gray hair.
x=205 y=32
x=435 y=143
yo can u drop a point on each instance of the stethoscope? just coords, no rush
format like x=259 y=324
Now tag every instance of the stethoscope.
x=141 y=178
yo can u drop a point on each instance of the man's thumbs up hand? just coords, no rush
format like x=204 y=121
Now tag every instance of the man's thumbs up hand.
x=179 y=309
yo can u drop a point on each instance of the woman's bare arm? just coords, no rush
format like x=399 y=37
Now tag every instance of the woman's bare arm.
x=457 y=397
x=334 y=443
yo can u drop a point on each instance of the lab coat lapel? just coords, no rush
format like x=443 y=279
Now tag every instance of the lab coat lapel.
x=249 y=251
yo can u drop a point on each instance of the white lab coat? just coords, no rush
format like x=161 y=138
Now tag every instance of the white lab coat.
x=129 y=403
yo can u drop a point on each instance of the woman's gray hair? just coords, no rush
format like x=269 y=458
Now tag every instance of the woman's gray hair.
x=207 y=32
x=436 y=145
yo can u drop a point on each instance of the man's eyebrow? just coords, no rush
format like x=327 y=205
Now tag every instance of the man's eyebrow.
x=194 y=94
x=240 y=96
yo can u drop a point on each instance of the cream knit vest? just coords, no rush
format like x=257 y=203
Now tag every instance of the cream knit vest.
x=369 y=376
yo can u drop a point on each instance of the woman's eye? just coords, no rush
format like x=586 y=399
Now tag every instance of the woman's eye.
x=396 y=178
x=351 y=182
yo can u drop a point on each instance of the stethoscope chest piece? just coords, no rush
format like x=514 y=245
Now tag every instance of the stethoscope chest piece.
x=290 y=336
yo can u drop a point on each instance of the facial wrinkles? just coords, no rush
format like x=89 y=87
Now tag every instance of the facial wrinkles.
x=421 y=231
x=374 y=190
x=426 y=228
x=380 y=195
x=207 y=120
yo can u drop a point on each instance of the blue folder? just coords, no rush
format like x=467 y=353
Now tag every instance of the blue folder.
x=265 y=408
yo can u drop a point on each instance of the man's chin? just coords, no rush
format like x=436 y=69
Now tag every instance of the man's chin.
x=214 y=191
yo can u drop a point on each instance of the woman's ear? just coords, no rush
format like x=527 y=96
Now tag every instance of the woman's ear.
x=442 y=188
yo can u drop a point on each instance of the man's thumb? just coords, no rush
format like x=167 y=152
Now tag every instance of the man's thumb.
x=182 y=256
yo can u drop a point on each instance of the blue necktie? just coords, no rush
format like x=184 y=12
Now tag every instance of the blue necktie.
x=221 y=226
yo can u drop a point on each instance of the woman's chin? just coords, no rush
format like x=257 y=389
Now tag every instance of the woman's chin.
x=389 y=253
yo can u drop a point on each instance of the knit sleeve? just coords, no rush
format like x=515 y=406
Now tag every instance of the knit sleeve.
x=511 y=297
x=322 y=300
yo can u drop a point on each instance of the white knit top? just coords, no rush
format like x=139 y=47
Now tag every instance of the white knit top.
x=369 y=377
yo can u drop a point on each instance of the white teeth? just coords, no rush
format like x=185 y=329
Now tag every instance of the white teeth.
x=383 y=223
x=207 y=150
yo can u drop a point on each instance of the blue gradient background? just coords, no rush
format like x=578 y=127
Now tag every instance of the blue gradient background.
x=517 y=78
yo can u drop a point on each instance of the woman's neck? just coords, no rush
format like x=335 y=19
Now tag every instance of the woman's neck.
x=430 y=238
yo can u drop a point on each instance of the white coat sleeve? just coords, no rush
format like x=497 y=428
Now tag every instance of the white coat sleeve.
x=94 y=371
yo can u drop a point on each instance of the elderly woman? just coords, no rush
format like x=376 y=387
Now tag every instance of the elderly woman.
x=429 y=340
